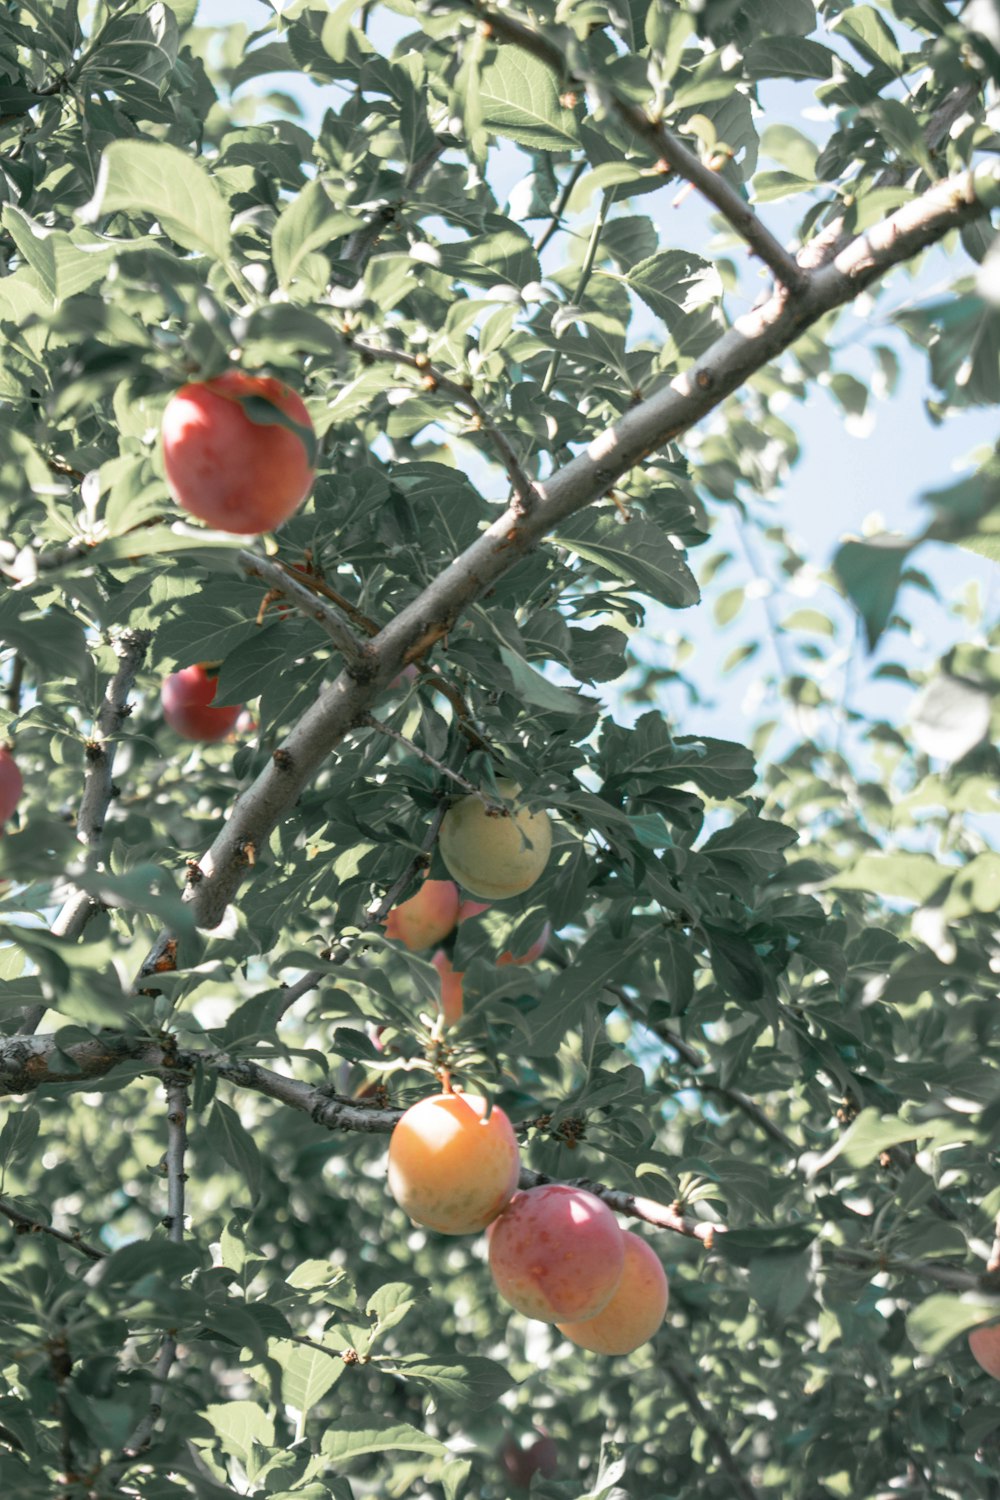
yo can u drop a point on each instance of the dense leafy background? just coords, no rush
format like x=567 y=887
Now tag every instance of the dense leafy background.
x=811 y=916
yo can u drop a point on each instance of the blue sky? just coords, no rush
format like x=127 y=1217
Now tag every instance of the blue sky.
x=841 y=478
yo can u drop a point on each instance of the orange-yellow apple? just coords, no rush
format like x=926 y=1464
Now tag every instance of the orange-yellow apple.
x=450 y=1168
x=491 y=855
x=536 y=950
x=427 y=917
x=637 y=1308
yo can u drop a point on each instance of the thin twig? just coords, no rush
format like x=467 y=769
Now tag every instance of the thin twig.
x=98 y=788
x=434 y=379
x=177 y=1111
x=590 y=256
x=467 y=786
x=711 y=1428
x=25 y=1224
x=420 y=860
x=13 y=693
x=673 y=154
x=305 y=600
x=560 y=205
x=696 y=1062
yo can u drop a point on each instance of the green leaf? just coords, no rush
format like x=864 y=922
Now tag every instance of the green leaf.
x=871 y=1134
x=636 y=551
x=939 y=1319
x=226 y=1134
x=475 y=1381
x=784 y=57
x=307 y=1373
x=870 y=573
x=685 y=291
x=18 y=1136
x=534 y=688
x=870 y=35
x=903 y=876
x=519 y=99
x=309 y=222
x=348 y=1439
x=240 y=1424
x=155 y=178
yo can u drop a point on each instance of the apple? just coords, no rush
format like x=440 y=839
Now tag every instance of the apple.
x=452 y=996
x=187 y=696
x=520 y=1463
x=11 y=784
x=984 y=1345
x=491 y=855
x=450 y=1168
x=536 y=950
x=231 y=466
x=427 y=917
x=637 y=1308
x=556 y=1253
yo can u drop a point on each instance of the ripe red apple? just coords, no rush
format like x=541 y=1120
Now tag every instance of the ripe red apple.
x=472 y=909
x=186 y=697
x=519 y=1464
x=232 y=467
x=11 y=784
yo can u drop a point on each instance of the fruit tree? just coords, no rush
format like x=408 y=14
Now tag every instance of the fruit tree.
x=499 y=950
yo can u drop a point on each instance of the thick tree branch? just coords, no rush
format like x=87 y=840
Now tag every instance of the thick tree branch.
x=675 y=156
x=754 y=340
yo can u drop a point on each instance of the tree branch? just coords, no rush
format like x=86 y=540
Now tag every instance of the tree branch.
x=25 y=1224
x=435 y=379
x=467 y=786
x=711 y=1428
x=27 y=1063
x=306 y=601
x=675 y=156
x=98 y=786
x=177 y=1111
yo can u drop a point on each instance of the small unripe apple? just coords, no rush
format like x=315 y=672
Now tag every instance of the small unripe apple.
x=427 y=918
x=984 y=1345
x=187 y=696
x=228 y=464
x=492 y=855
x=11 y=784
x=450 y=1168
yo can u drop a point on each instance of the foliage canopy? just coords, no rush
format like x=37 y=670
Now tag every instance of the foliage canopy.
x=769 y=1003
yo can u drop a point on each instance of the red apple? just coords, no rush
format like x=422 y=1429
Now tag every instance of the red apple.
x=984 y=1346
x=186 y=697
x=519 y=1464
x=234 y=468
x=11 y=784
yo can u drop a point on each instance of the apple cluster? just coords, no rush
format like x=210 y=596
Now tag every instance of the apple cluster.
x=557 y=1253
